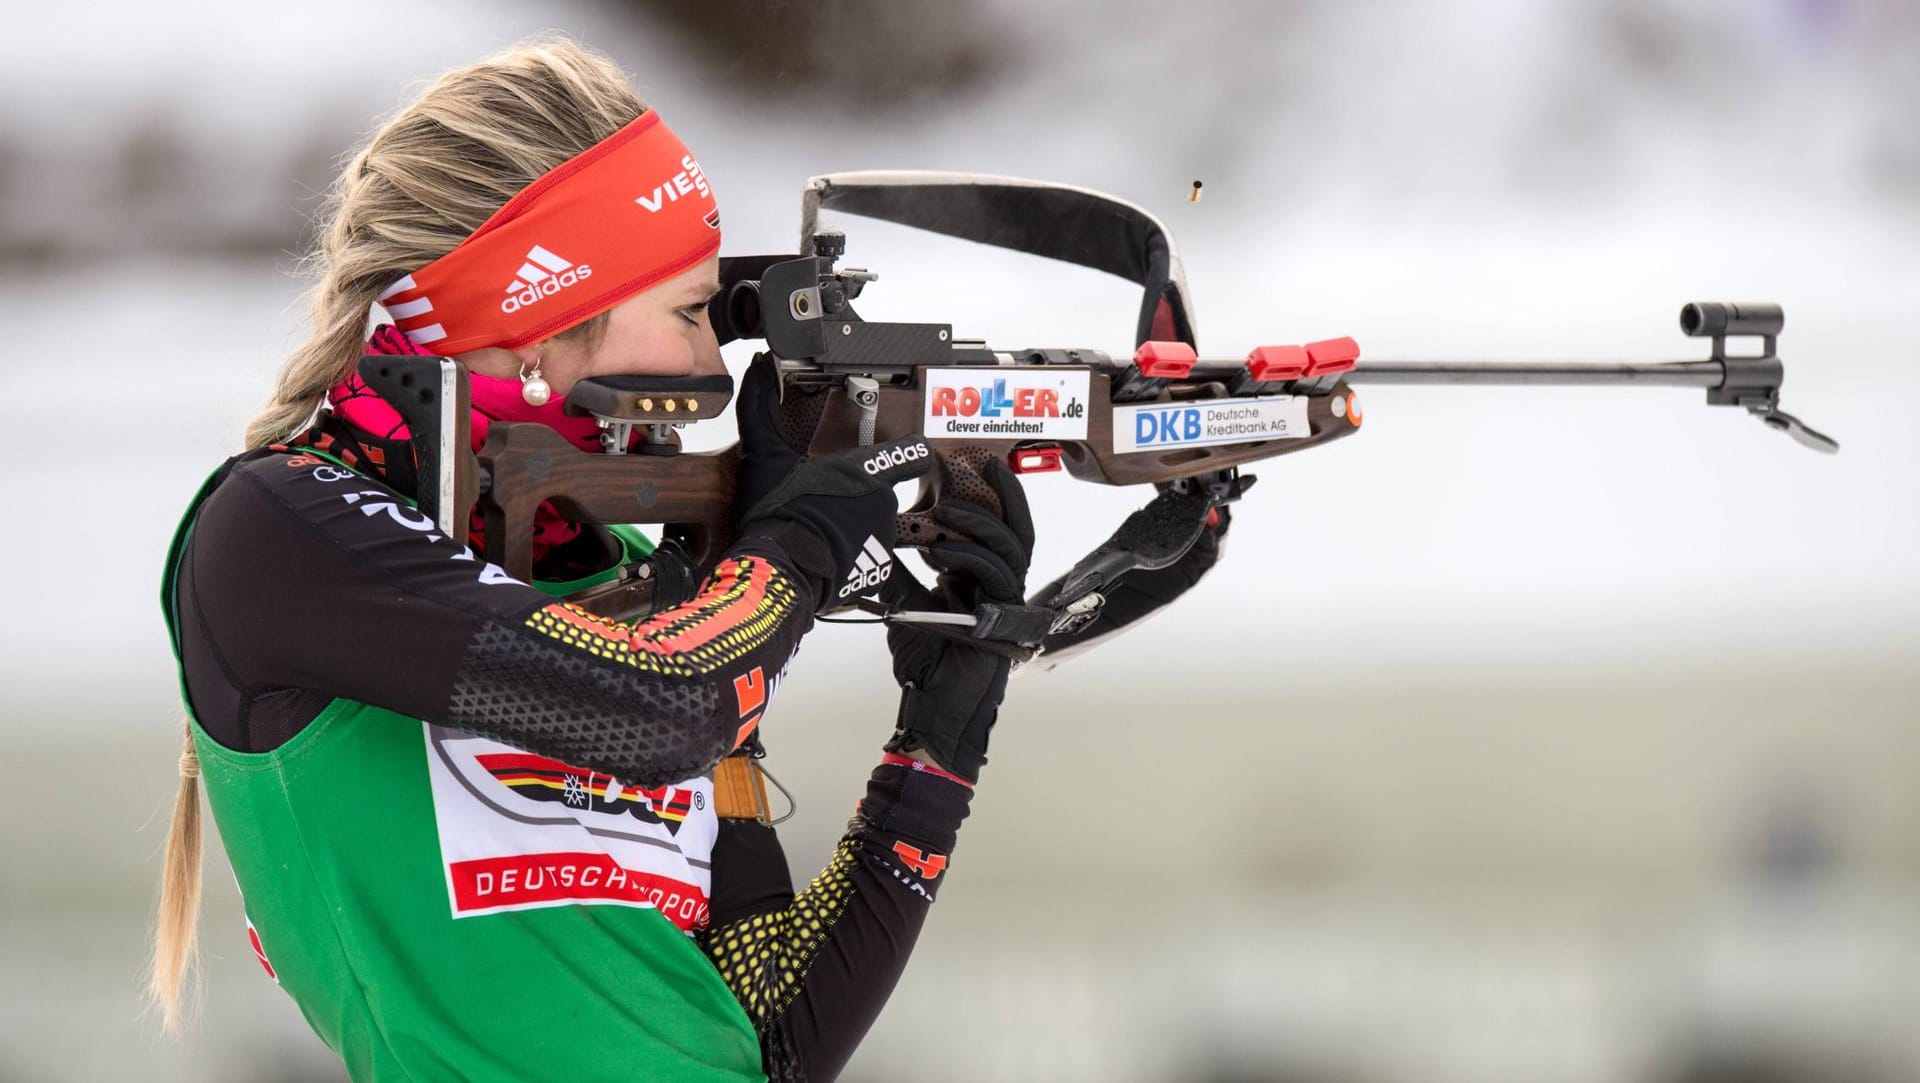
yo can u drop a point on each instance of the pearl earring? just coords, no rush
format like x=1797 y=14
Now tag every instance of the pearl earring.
x=532 y=388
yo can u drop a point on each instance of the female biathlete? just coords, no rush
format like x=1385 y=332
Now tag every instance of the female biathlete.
x=477 y=829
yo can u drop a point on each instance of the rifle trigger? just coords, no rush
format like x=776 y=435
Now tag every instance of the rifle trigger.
x=865 y=393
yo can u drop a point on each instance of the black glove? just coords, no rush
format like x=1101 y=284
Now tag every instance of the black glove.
x=832 y=515
x=951 y=689
x=1142 y=593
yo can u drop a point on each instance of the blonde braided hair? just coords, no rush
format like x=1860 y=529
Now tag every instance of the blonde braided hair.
x=424 y=180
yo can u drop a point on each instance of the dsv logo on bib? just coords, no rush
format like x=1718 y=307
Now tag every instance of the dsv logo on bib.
x=899 y=456
x=542 y=275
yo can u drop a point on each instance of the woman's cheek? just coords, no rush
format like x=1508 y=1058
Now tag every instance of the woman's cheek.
x=656 y=354
x=687 y=356
x=705 y=359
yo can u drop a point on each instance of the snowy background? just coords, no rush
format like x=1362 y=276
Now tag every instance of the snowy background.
x=1530 y=734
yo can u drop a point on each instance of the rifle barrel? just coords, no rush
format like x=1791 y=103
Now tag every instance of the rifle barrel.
x=1707 y=374
x=1517 y=373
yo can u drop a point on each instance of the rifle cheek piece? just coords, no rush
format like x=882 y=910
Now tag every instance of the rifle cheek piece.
x=656 y=404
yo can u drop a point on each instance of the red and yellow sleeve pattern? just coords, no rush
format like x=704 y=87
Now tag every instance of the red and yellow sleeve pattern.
x=742 y=605
x=651 y=702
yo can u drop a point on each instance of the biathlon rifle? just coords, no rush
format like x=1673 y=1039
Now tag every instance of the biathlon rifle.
x=1160 y=415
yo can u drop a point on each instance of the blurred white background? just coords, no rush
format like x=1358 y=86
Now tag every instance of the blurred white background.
x=1530 y=734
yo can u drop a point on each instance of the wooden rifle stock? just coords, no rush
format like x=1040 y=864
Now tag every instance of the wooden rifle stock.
x=692 y=493
x=527 y=465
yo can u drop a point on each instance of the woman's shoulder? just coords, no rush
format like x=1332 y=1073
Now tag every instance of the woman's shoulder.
x=292 y=469
x=265 y=491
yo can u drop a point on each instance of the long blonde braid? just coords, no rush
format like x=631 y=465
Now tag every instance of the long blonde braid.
x=423 y=181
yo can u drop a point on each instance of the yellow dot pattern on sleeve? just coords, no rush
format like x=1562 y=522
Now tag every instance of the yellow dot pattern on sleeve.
x=764 y=958
x=740 y=608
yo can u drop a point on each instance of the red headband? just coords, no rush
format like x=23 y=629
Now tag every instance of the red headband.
x=621 y=216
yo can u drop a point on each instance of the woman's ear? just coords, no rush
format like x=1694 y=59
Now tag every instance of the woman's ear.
x=528 y=357
x=498 y=363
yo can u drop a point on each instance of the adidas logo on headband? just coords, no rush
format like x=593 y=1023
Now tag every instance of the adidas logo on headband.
x=542 y=275
x=486 y=291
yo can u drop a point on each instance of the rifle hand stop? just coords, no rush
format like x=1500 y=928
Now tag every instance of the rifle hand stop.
x=1752 y=381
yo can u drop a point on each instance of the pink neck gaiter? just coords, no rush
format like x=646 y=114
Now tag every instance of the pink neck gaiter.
x=494 y=400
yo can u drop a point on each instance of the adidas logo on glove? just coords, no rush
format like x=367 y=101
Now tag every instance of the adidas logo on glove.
x=899 y=456
x=874 y=564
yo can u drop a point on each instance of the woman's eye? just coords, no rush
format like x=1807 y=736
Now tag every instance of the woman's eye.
x=691 y=314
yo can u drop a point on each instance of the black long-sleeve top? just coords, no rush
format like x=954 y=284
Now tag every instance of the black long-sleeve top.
x=303 y=581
